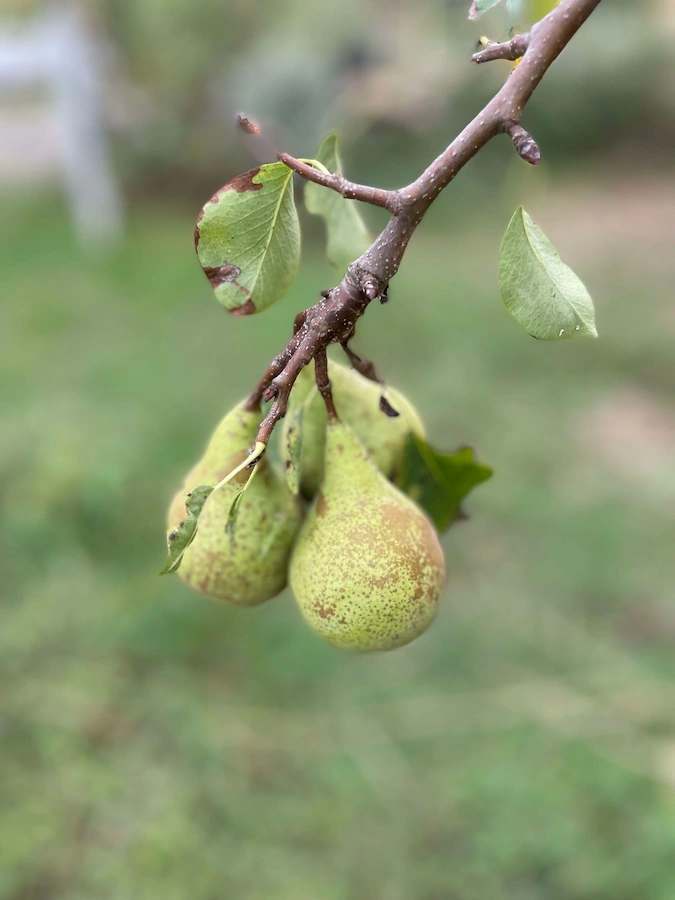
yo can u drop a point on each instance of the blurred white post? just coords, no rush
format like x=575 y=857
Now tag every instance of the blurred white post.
x=57 y=52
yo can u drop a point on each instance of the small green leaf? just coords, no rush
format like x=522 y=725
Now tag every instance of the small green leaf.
x=234 y=508
x=294 y=447
x=232 y=515
x=478 y=7
x=247 y=239
x=184 y=533
x=538 y=289
x=347 y=235
x=438 y=482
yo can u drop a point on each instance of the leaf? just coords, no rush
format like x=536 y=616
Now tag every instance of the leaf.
x=515 y=9
x=438 y=482
x=247 y=239
x=234 y=508
x=347 y=235
x=478 y=7
x=538 y=289
x=184 y=533
x=232 y=515
x=294 y=447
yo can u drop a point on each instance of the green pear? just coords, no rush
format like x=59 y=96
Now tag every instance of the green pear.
x=367 y=569
x=249 y=565
x=357 y=400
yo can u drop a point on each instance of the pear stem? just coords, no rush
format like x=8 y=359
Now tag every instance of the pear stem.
x=323 y=384
x=334 y=318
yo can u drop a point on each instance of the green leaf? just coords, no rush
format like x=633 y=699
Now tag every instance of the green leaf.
x=515 y=10
x=247 y=239
x=538 y=289
x=438 y=482
x=184 y=534
x=234 y=508
x=232 y=515
x=294 y=447
x=347 y=235
x=478 y=7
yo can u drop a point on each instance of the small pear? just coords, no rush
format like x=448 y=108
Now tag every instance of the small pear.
x=367 y=569
x=357 y=400
x=249 y=565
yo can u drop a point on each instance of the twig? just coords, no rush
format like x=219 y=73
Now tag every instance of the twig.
x=513 y=49
x=334 y=318
x=323 y=382
x=337 y=182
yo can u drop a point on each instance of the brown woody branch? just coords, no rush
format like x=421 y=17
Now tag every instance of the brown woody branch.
x=337 y=182
x=333 y=319
x=513 y=49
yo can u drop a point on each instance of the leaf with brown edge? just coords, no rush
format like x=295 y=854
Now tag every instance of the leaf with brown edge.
x=247 y=239
x=438 y=482
x=184 y=533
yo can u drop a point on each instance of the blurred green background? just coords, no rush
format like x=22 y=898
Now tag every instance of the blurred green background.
x=156 y=744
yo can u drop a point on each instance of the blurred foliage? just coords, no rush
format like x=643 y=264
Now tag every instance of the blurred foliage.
x=393 y=76
x=156 y=744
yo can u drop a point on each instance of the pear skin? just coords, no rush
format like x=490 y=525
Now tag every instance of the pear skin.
x=367 y=569
x=357 y=400
x=250 y=566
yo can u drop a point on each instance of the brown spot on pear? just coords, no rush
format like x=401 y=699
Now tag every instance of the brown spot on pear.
x=357 y=400
x=250 y=566
x=369 y=554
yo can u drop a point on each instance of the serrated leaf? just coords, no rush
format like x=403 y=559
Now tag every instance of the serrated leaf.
x=247 y=239
x=478 y=7
x=184 y=533
x=539 y=290
x=437 y=481
x=294 y=447
x=347 y=235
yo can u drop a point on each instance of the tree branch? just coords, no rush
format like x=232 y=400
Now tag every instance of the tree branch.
x=513 y=49
x=337 y=182
x=333 y=319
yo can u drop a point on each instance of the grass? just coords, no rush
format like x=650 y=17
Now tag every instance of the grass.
x=156 y=744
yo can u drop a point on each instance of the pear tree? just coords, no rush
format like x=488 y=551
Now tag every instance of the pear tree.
x=350 y=517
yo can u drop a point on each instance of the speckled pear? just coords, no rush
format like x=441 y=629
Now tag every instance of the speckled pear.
x=367 y=569
x=251 y=565
x=357 y=400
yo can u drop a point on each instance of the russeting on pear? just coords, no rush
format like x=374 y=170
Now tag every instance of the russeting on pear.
x=367 y=569
x=249 y=565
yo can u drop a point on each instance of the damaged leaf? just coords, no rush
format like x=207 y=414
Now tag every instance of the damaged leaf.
x=247 y=239
x=184 y=533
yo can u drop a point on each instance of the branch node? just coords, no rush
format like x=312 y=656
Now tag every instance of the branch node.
x=513 y=49
x=525 y=144
x=370 y=286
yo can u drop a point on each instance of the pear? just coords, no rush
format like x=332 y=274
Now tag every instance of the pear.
x=367 y=569
x=357 y=400
x=249 y=565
